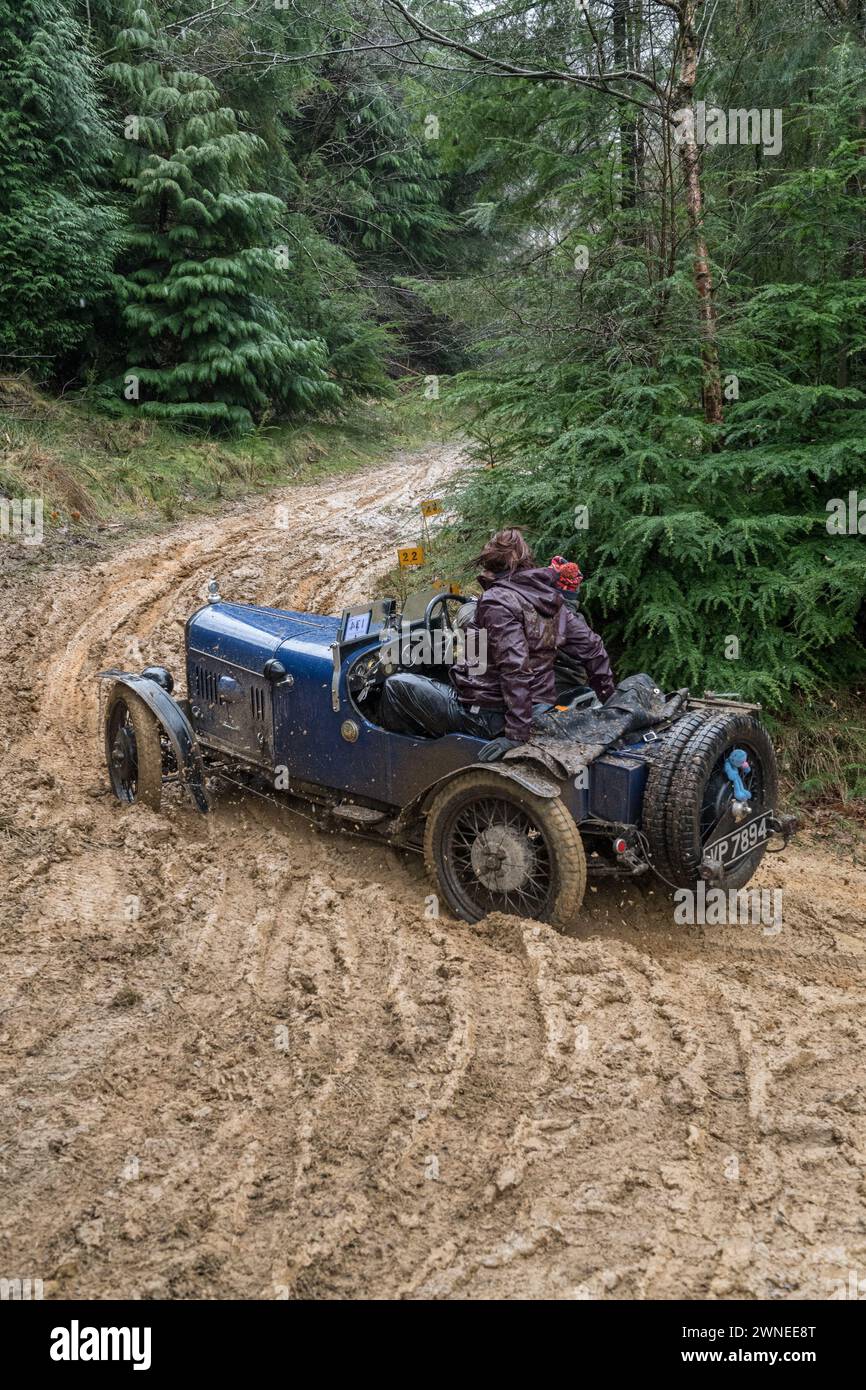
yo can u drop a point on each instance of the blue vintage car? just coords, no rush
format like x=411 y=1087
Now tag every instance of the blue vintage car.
x=285 y=704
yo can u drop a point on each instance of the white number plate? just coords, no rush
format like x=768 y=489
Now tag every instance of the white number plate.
x=731 y=848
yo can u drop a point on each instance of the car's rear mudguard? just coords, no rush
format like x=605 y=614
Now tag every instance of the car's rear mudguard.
x=530 y=778
x=177 y=727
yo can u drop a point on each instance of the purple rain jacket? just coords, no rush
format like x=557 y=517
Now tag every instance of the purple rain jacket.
x=526 y=622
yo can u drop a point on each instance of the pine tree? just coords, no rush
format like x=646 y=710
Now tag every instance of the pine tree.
x=208 y=345
x=709 y=557
x=371 y=180
x=325 y=294
x=57 y=233
x=382 y=180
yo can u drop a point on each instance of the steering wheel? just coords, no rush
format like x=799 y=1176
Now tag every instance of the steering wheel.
x=449 y=628
x=444 y=600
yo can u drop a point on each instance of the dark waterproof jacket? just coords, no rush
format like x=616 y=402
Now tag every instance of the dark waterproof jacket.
x=526 y=622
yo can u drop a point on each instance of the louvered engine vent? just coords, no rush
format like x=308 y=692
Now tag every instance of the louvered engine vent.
x=205 y=685
x=257 y=701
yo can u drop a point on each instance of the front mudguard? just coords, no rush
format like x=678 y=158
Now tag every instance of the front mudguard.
x=178 y=729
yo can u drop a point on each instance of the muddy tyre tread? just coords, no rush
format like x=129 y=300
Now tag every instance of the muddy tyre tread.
x=560 y=827
x=148 y=747
x=659 y=793
x=697 y=761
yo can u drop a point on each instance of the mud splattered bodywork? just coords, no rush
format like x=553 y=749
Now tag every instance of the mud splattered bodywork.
x=288 y=701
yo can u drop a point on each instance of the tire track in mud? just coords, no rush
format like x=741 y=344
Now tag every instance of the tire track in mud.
x=241 y=1061
x=153 y=588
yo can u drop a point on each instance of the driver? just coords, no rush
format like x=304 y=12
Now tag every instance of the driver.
x=524 y=624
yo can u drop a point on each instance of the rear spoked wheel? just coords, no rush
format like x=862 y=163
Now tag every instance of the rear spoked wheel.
x=494 y=847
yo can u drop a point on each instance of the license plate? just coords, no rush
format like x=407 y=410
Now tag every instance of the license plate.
x=737 y=844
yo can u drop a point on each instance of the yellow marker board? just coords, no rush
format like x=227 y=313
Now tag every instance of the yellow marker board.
x=431 y=507
x=410 y=555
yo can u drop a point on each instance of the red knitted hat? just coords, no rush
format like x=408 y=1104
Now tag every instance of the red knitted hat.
x=568 y=574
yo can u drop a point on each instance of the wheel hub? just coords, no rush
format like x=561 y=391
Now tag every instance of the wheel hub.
x=122 y=754
x=501 y=859
x=720 y=812
x=123 y=751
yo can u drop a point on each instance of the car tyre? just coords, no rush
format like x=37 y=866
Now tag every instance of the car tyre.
x=661 y=784
x=699 y=765
x=133 y=749
x=484 y=817
x=697 y=784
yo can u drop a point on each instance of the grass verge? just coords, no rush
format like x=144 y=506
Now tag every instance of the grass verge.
x=90 y=469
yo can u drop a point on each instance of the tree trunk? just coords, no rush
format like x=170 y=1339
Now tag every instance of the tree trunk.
x=690 y=161
x=854 y=262
x=628 y=125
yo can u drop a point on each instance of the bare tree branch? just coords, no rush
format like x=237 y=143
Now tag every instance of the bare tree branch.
x=493 y=65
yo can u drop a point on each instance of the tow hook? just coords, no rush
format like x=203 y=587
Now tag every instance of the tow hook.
x=786 y=826
x=623 y=848
x=711 y=871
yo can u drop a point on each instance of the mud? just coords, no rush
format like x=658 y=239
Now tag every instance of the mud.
x=238 y=1060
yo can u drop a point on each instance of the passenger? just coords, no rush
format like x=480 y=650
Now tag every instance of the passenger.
x=568 y=580
x=521 y=623
x=569 y=674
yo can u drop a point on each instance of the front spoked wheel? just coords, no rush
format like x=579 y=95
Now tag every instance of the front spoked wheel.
x=494 y=847
x=133 y=749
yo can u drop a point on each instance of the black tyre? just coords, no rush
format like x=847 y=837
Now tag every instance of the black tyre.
x=133 y=749
x=661 y=780
x=493 y=846
x=700 y=805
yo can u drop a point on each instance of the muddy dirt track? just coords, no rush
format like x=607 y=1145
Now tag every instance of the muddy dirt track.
x=283 y=1080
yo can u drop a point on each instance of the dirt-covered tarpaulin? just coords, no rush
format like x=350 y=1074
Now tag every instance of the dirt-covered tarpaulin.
x=568 y=740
